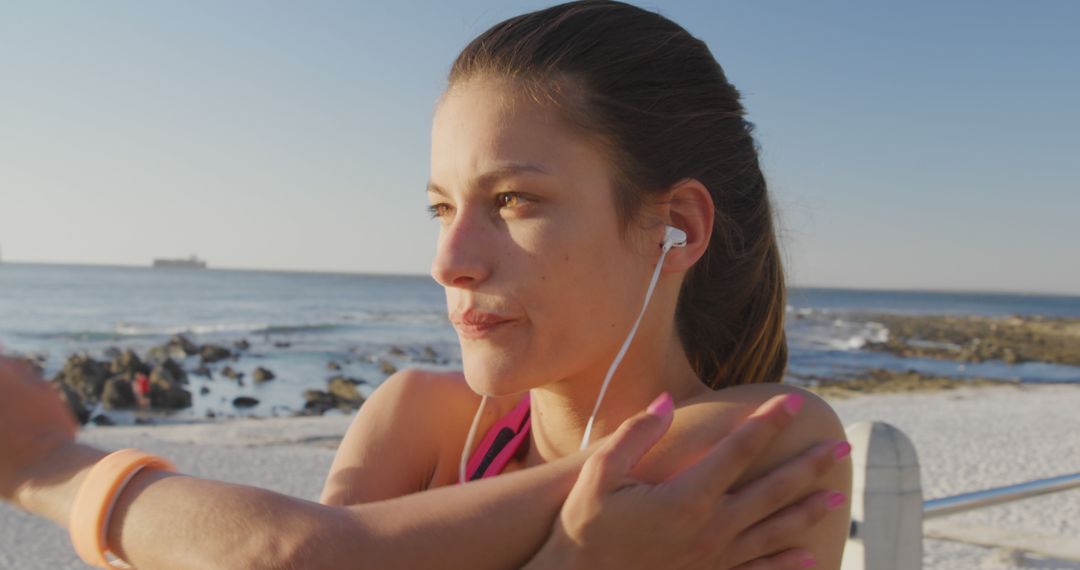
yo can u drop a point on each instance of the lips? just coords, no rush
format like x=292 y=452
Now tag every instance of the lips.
x=473 y=323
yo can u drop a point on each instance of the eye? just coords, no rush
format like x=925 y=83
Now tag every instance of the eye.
x=439 y=210
x=509 y=200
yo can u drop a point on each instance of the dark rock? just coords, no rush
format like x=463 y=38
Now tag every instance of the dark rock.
x=231 y=374
x=118 y=394
x=282 y=344
x=242 y=344
x=165 y=390
x=261 y=375
x=103 y=420
x=245 y=402
x=204 y=371
x=345 y=393
x=396 y=351
x=333 y=366
x=128 y=363
x=184 y=344
x=179 y=346
x=204 y=390
x=144 y=422
x=387 y=368
x=74 y=401
x=212 y=353
x=85 y=375
x=316 y=402
x=430 y=354
x=112 y=353
x=175 y=370
x=210 y=414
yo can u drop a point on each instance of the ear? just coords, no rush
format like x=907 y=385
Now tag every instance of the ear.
x=689 y=207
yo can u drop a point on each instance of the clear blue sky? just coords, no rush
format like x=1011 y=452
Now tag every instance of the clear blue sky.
x=908 y=145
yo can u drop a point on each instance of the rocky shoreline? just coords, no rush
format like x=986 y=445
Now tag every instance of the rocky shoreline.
x=1012 y=340
x=881 y=381
x=93 y=387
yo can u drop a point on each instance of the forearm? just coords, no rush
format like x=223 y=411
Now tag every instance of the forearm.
x=495 y=523
x=171 y=521
x=165 y=520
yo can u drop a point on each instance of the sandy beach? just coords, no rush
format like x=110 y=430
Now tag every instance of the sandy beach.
x=968 y=439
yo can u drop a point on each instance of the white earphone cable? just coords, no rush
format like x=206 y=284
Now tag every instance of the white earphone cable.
x=469 y=441
x=622 y=351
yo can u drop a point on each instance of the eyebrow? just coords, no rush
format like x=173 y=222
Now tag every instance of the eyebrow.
x=492 y=176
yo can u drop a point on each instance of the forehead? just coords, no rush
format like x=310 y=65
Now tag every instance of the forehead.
x=489 y=122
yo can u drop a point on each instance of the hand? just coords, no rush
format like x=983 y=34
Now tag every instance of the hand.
x=693 y=520
x=33 y=424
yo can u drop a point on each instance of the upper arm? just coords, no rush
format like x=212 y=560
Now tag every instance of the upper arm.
x=699 y=426
x=394 y=443
x=815 y=423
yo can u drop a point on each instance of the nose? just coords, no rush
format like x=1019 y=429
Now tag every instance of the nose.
x=463 y=255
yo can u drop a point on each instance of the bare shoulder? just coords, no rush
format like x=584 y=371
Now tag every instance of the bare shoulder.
x=816 y=422
x=702 y=422
x=816 y=419
x=397 y=440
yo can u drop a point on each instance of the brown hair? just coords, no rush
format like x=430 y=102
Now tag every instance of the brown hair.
x=661 y=105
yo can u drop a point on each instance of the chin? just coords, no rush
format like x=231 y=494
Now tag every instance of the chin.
x=493 y=377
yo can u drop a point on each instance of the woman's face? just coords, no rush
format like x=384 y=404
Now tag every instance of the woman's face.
x=539 y=284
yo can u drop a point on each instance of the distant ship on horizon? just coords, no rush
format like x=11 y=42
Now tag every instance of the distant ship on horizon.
x=189 y=263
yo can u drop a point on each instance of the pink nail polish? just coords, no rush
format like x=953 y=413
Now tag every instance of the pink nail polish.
x=834 y=500
x=808 y=561
x=842 y=450
x=661 y=406
x=792 y=403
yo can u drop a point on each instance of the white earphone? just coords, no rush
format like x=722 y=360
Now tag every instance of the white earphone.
x=673 y=237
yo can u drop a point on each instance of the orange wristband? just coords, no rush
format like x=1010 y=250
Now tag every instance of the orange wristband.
x=89 y=522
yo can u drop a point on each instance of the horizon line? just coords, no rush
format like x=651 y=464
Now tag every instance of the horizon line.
x=881 y=289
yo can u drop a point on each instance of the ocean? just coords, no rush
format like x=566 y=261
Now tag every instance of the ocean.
x=298 y=323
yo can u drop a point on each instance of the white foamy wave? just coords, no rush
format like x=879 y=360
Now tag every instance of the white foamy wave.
x=130 y=329
x=398 y=317
x=836 y=334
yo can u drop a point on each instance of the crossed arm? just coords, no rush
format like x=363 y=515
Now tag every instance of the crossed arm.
x=165 y=520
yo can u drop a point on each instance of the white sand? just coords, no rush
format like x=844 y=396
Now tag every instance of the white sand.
x=975 y=439
x=967 y=440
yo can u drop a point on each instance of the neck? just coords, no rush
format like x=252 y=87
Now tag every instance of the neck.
x=560 y=410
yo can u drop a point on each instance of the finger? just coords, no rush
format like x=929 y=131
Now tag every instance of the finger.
x=766 y=537
x=778 y=488
x=795 y=558
x=729 y=458
x=634 y=438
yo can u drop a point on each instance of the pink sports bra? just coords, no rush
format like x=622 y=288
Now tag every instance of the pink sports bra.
x=501 y=443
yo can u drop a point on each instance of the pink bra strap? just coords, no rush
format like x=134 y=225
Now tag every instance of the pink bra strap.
x=514 y=425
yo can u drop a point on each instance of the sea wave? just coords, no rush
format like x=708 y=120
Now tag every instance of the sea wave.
x=344 y=321
x=836 y=333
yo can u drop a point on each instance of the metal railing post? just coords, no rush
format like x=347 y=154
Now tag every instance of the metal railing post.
x=886 y=500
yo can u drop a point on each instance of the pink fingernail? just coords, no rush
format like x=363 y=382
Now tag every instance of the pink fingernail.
x=661 y=406
x=842 y=450
x=834 y=500
x=792 y=403
x=808 y=561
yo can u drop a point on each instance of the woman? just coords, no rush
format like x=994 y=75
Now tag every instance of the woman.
x=680 y=506
x=567 y=140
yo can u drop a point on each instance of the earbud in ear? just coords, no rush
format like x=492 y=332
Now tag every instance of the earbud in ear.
x=673 y=237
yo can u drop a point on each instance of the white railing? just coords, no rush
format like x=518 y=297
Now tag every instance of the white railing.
x=887 y=506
